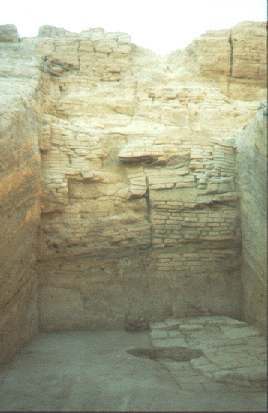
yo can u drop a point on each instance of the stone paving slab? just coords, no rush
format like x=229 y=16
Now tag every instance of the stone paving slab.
x=233 y=351
x=172 y=322
x=238 y=332
x=256 y=374
x=158 y=334
x=232 y=322
x=190 y=327
x=227 y=361
x=175 y=333
x=204 y=366
x=225 y=342
x=155 y=326
x=170 y=342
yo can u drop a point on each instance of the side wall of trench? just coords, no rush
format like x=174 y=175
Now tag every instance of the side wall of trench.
x=20 y=193
x=140 y=210
x=252 y=178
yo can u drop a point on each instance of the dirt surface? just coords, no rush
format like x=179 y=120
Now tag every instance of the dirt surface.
x=85 y=371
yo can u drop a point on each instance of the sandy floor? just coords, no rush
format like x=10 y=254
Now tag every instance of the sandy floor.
x=83 y=371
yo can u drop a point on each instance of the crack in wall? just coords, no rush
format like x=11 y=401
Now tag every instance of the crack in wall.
x=149 y=209
x=231 y=63
x=231 y=54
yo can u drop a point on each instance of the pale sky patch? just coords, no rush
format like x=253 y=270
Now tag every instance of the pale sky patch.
x=161 y=25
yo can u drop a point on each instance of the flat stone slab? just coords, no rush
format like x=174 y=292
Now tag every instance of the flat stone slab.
x=232 y=322
x=229 y=361
x=233 y=351
x=190 y=327
x=158 y=334
x=232 y=332
x=170 y=342
x=253 y=373
x=175 y=333
x=203 y=365
x=158 y=326
x=173 y=322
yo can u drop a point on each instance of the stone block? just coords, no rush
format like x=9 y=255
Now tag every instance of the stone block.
x=157 y=334
x=188 y=328
x=158 y=326
x=230 y=361
x=242 y=375
x=174 y=333
x=237 y=332
x=170 y=342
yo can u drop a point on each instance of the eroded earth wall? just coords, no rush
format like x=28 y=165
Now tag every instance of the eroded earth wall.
x=19 y=194
x=252 y=176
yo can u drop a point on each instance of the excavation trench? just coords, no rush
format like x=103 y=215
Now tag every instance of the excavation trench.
x=172 y=353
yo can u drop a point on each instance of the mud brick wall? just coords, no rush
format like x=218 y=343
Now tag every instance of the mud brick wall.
x=252 y=175
x=142 y=239
x=140 y=208
x=20 y=190
x=119 y=183
x=235 y=59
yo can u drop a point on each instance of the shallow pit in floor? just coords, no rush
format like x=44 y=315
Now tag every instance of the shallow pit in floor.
x=169 y=353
